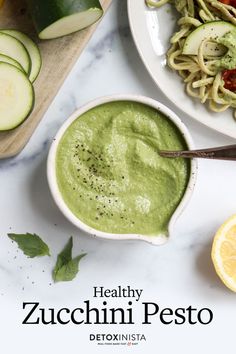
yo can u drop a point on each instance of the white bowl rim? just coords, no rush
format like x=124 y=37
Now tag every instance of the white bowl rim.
x=56 y=194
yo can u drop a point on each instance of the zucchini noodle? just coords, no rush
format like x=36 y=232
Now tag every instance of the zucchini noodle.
x=201 y=74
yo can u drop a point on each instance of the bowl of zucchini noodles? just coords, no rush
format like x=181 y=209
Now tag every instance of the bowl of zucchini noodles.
x=201 y=49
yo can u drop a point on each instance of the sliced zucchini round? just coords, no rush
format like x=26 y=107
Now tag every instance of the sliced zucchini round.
x=14 y=49
x=211 y=31
x=16 y=96
x=31 y=47
x=6 y=59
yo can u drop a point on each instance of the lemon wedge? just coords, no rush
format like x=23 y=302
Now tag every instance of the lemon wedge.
x=224 y=253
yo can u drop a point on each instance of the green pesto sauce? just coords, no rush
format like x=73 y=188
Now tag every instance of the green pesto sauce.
x=110 y=174
x=228 y=61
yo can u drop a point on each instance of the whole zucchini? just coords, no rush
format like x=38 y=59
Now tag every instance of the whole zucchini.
x=57 y=18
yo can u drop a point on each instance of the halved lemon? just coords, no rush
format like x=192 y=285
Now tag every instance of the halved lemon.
x=224 y=253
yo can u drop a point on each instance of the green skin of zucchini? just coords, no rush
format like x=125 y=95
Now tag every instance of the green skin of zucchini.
x=46 y=12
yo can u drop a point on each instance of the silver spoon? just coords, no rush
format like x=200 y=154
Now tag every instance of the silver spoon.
x=227 y=152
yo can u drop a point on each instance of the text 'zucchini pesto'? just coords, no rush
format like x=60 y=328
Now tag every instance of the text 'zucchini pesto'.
x=88 y=314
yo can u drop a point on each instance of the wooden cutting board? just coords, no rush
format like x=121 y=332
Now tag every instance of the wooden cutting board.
x=58 y=55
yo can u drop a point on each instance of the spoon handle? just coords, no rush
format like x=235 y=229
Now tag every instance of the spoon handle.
x=227 y=152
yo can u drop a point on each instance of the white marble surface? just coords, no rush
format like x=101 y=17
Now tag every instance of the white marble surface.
x=178 y=274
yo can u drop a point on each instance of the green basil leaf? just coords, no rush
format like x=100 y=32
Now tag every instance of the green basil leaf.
x=69 y=271
x=64 y=257
x=67 y=268
x=31 y=244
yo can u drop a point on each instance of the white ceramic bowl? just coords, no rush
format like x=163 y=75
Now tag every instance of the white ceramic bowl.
x=52 y=180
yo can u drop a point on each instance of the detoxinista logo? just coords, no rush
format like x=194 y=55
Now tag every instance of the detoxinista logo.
x=127 y=339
